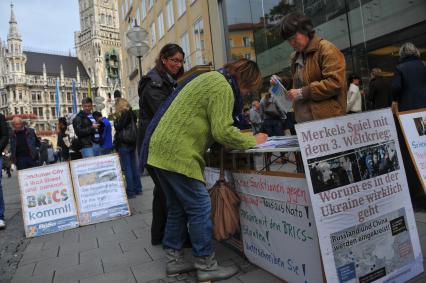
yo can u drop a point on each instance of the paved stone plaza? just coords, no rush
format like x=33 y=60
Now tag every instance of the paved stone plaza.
x=114 y=251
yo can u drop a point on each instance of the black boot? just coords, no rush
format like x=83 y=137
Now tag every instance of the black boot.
x=208 y=270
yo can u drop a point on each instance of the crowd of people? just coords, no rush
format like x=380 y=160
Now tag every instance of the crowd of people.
x=178 y=122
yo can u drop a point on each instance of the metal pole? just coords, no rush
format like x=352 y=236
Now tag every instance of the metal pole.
x=140 y=67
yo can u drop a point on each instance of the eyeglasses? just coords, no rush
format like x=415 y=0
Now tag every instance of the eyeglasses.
x=176 y=61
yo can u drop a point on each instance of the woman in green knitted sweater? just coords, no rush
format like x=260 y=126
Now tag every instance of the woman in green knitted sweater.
x=201 y=114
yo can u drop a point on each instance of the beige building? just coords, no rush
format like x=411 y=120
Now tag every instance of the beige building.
x=185 y=22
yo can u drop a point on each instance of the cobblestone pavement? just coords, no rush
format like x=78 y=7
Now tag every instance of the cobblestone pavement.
x=114 y=251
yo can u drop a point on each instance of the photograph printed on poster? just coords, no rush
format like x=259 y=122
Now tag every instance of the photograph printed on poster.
x=420 y=123
x=338 y=170
x=371 y=250
x=97 y=177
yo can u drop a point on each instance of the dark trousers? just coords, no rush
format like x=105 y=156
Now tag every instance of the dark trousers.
x=159 y=211
x=273 y=127
x=24 y=162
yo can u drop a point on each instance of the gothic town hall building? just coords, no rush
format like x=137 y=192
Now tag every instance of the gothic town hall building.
x=28 y=79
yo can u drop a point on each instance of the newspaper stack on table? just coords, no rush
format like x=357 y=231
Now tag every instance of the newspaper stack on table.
x=279 y=142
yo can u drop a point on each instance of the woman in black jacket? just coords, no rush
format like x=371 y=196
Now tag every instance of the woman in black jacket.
x=125 y=143
x=154 y=88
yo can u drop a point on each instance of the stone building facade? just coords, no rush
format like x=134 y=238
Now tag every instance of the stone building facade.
x=98 y=47
x=28 y=82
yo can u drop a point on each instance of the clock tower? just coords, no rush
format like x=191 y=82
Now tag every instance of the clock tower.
x=98 y=46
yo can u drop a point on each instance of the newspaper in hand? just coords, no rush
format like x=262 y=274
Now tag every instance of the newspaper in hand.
x=278 y=91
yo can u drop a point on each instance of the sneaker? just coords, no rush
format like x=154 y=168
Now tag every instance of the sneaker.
x=2 y=224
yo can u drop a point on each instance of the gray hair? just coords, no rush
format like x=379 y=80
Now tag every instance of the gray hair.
x=408 y=49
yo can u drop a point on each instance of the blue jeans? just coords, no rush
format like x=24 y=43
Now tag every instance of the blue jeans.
x=1 y=193
x=94 y=150
x=188 y=201
x=128 y=163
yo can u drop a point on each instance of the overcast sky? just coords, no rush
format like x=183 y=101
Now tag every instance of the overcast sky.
x=43 y=24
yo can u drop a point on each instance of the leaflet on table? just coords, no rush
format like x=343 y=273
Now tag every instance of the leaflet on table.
x=275 y=142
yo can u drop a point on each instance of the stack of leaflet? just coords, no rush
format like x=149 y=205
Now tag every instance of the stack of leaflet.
x=279 y=142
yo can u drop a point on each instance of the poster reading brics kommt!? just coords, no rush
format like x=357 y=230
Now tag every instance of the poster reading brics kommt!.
x=47 y=200
x=360 y=198
x=99 y=189
x=277 y=226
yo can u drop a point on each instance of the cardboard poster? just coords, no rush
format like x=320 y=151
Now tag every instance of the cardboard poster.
x=413 y=125
x=47 y=200
x=99 y=189
x=359 y=193
x=278 y=227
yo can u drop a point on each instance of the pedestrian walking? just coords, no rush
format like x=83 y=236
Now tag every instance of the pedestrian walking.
x=379 y=90
x=105 y=133
x=154 y=88
x=255 y=117
x=64 y=141
x=354 y=95
x=7 y=163
x=125 y=142
x=318 y=72
x=409 y=82
x=23 y=145
x=4 y=140
x=87 y=129
x=409 y=93
x=200 y=113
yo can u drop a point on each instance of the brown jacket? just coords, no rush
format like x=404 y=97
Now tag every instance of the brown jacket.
x=324 y=77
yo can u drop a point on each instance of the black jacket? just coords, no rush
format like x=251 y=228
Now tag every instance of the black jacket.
x=83 y=129
x=120 y=124
x=153 y=90
x=379 y=93
x=409 y=84
x=4 y=133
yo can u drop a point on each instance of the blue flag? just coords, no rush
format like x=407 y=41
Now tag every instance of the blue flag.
x=58 y=108
x=74 y=98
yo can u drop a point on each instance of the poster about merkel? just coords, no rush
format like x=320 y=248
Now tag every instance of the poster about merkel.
x=47 y=200
x=413 y=125
x=360 y=198
x=99 y=189
x=278 y=227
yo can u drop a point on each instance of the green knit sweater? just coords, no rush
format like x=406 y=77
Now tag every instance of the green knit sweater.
x=199 y=115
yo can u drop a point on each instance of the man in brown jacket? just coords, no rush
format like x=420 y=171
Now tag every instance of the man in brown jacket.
x=318 y=70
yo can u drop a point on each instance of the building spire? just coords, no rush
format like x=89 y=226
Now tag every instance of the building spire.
x=13 y=25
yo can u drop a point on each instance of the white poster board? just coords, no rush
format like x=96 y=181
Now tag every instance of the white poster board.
x=99 y=189
x=366 y=226
x=277 y=226
x=47 y=199
x=413 y=125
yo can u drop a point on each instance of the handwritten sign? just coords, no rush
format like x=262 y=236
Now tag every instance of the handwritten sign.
x=47 y=200
x=413 y=125
x=99 y=189
x=360 y=198
x=278 y=227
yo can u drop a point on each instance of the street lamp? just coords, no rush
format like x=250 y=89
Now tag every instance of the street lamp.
x=138 y=43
